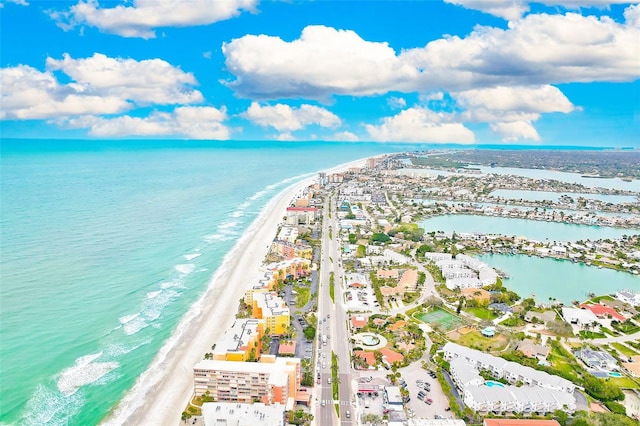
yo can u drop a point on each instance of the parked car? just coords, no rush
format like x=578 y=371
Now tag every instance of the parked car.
x=429 y=401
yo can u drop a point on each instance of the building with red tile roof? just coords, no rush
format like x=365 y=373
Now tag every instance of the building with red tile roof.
x=602 y=311
x=287 y=349
x=358 y=321
x=391 y=356
x=369 y=357
x=409 y=279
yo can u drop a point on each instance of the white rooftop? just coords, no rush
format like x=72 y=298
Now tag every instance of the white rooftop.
x=237 y=414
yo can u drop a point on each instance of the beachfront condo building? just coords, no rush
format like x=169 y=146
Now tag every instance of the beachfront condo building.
x=270 y=381
x=242 y=342
x=271 y=274
x=289 y=250
x=273 y=310
x=231 y=413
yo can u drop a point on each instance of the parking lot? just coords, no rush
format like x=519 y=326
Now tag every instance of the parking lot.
x=360 y=300
x=440 y=404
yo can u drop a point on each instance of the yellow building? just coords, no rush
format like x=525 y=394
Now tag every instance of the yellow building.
x=242 y=342
x=273 y=310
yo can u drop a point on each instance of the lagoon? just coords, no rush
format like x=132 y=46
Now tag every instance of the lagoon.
x=563 y=280
x=614 y=183
x=531 y=229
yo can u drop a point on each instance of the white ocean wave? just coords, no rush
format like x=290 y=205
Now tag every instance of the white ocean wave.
x=229 y=224
x=135 y=326
x=153 y=294
x=128 y=318
x=50 y=407
x=84 y=372
x=185 y=268
x=152 y=308
x=192 y=256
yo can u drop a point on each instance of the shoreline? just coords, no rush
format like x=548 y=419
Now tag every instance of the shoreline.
x=163 y=390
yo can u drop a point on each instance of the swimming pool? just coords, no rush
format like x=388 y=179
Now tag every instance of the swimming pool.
x=615 y=374
x=491 y=383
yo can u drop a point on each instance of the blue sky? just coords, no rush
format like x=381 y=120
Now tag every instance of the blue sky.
x=551 y=72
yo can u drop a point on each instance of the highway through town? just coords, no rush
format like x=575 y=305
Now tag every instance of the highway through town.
x=332 y=323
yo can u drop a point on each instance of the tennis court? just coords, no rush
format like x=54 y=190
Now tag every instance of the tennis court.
x=439 y=316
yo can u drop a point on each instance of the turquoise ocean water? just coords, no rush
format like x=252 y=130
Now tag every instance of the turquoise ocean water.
x=106 y=245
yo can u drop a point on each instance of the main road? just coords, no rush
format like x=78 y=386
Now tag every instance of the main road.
x=332 y=323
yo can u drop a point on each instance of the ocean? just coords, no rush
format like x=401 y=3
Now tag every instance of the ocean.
x=106 y=244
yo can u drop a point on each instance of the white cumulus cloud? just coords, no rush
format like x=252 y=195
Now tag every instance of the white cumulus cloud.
x=141 y=18
x=507 y=9
x=632 y=15
x=147 y=81
x=345 y=137
x=536 y=50
x=322 y=62
x=284 y=118
x=98 y=85
x=28 y=93
x=515 y=130
x=507 y=104
x=512 y=10
x=190 y=122
x=420 y=125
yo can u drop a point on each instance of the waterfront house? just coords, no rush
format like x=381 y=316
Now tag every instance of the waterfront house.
x=542 y=317
x=479 y=294
x=579 y=317
x=501 y=307
x=629 y=297
x=602 y=311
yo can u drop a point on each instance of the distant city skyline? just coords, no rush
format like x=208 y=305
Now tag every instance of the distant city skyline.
x=473 y=72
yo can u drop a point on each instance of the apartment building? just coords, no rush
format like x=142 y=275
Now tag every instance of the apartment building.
x=289 y=250
x=231 y=413
x=511 y=371
x=273 y=310
x=242 y=342
x=270 y=381
x=537 y=392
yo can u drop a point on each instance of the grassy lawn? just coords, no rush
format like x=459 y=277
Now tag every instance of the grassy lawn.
x=591 y=334
x=302 y=297
x=476 y=340
x=624 y=349
x=599 y=298
x=332 y=290
x=482 y=313
x=563 y=363
x=623 y=382
x=609 y=331
x=627 y=328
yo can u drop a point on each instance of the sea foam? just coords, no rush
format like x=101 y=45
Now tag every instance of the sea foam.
x=192 y=256
x=84 y=372
x=185 y=268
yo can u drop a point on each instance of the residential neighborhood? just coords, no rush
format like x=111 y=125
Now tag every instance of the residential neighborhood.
x=361 y=316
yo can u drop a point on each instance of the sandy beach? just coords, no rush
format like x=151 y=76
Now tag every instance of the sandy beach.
x=162 y=392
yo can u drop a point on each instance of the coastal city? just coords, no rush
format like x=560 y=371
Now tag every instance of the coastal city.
x=368 y=310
